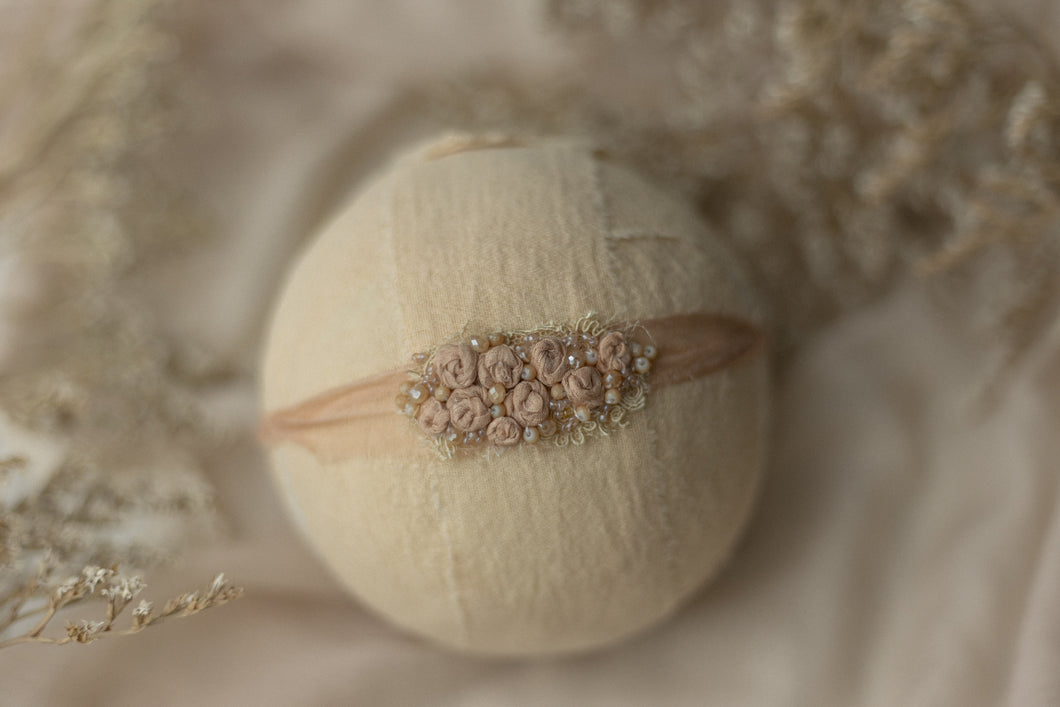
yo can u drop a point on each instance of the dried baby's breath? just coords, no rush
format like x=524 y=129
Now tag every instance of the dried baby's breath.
x=101 y=417
x=33 y=607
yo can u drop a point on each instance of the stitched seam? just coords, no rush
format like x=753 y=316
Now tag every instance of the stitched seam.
x=393 y=279
x=660 y=482
x=459 y=610
x=603 y=214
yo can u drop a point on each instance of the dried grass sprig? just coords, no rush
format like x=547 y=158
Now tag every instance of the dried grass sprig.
x=41 y=598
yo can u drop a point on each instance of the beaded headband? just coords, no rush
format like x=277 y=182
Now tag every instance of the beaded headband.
x=555 y=384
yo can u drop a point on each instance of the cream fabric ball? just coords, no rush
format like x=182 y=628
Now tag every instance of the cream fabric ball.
x=541 y=549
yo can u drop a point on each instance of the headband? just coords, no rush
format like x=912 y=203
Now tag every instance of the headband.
x=555 y=385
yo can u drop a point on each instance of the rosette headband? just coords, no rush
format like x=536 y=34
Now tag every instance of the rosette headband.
x=556 y=384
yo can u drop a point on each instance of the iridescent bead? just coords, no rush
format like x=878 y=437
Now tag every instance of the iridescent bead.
x=650 y=352
x=498 y=410
x=497 y=393
x=441 y=393
x=522 y=353
x=531 y=435
x=451 y=435
x=558 y=392
x=612 y=396
x=418 y=393
x=612 y=379
x=419 y=357
x=582 y=412
x=547 y=428
x=401 y=401
x=591 y=357
x=479 y=344
x=405 y=387
x=410 y=408
x=641 y=365
x=636 y=349
x=576 y=359
x=497 y=338
x=529 y=373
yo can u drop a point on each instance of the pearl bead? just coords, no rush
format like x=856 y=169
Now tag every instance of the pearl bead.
x=591 y=357
x=405 y=387
x=641 y=364
x=479 y=344
x=558 y=392
x=582 y=412
x=497 y=338
x=612 y=397
x=650 y=352
x=636 y=349
x=498 y=410
x=612 y=379
x=497 y=393
x=547 y=428
x=441 y=393
x=530 y=434
x=418 y=393
x=529 y=373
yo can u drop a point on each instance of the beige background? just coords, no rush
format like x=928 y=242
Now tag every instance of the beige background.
x=907 y=549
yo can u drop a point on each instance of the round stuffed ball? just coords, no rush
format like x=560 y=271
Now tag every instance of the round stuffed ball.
x=540 y=549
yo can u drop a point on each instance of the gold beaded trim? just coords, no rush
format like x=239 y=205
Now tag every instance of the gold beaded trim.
x=556 y=384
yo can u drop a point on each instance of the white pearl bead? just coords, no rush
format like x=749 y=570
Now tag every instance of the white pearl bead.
x=641 y=364
x=530 y=434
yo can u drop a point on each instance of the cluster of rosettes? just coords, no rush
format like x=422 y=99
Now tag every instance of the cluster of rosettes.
x=504 y=389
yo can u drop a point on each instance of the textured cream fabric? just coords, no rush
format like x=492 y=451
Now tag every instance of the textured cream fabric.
x=538 y=549
x=907 y=546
